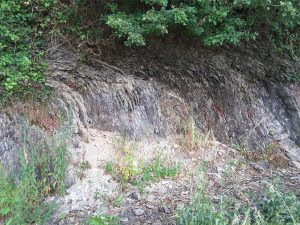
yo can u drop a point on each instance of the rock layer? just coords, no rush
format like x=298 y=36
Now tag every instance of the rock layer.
x=156 y=91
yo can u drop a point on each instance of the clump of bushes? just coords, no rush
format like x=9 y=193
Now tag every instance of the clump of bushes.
x=28 y=25
x=212 y=22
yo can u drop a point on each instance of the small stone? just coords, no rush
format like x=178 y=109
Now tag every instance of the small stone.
x=166 y=210
x=138 y=212
x=124 y=220
x=260 y=166
x=150 y=206
x=129 y=201
x=72 y=219
x=135 y=196
x=166 y=182
x=220 y=170
x=150 y=198
x=157 y=223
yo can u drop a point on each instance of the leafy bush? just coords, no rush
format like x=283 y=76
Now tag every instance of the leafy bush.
x=279 y=208
x=26 y=25
x=214 y=22
x=20 y=32
x=23 y=202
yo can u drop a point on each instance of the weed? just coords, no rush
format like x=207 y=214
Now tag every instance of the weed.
x=85 y=165
x=62 y=216
x=154 y=171
x=202 y=211
x=103 y=220
x=157 y=169
x=278 y=207
x=193 y=139
x=109 y=167
x=80 y=172
x=97 y=194
x=127 y=166
x=130 y=170
x=82 y=167
x=118 y=201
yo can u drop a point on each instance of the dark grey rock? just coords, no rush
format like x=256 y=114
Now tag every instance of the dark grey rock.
x=155 y=91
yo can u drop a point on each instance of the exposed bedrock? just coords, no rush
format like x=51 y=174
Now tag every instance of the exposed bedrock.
x=155 y=92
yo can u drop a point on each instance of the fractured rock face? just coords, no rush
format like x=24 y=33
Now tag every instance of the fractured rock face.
x=8 y=141
x=145 y=92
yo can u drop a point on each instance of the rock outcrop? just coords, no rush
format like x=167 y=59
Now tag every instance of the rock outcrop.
x=156 y=91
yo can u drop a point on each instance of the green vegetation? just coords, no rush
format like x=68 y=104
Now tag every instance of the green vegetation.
x=82 y=167
x=20 y=35
x=143 y=173
x=275 y=207
x=129 y=170
x=117 y=202
x=28 y=26
x=103 y=220
x=156 y=170
x=42 y=172
x=109 y=167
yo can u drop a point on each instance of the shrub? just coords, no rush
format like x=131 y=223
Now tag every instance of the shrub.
x=279 y=208
x=28 y=25
x=213 y=22
x=20 y=32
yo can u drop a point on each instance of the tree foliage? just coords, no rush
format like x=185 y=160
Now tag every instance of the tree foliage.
x=27 y=24
x=214 y=22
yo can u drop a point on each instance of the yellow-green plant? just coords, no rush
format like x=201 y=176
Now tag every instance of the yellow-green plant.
x=136 y=172
x=127 y=164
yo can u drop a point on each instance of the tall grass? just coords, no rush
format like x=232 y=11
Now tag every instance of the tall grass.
x=43 y=165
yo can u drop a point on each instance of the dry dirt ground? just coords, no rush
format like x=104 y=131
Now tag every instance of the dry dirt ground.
x=224 y=170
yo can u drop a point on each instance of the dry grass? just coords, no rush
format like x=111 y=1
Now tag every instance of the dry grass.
x=38 y=114
x=192 y=139
x=272 y=154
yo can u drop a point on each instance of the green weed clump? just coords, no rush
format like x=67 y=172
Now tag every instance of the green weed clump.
x=23 y=197
x=103 y=220
x=143 y=173
x=155 y=170
x=275 y=207
x=130 y=170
